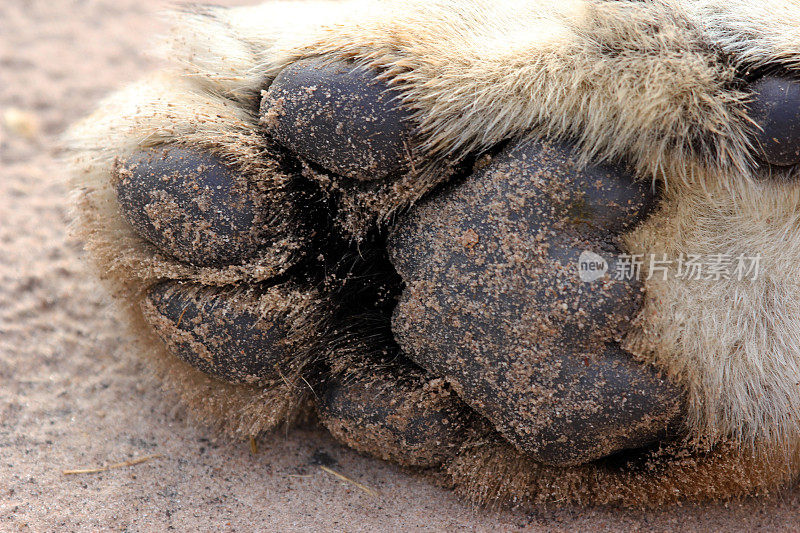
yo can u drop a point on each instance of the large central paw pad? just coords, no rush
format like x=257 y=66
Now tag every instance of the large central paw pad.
x=493 y=303
x=494 y=329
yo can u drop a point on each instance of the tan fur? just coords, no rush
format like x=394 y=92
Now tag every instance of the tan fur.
x=652 y=83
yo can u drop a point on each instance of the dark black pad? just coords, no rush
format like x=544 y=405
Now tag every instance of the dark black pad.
x=494 y=303
x=236 y=334
x=338 y=116
x=191 y=206
x=776 y=110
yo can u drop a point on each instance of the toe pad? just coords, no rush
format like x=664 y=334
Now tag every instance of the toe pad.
x=340 y=117
x=190 y=205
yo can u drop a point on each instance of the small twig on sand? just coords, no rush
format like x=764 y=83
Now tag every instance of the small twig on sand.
x=110 y=467
x=366 y=489
x=253 y=445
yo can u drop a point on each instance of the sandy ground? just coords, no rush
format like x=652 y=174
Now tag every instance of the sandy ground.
x=71 y=391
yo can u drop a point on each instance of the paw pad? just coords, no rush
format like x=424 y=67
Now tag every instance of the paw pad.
x=507 y=321
x=340 y=117
x=197 y=209
x=236 y=334
x=775 y=108
x=396 y=413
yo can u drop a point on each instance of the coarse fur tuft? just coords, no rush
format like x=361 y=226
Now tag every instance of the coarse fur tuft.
x=657 y=84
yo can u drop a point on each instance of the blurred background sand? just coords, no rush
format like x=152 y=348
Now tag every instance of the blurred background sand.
x=71 y=389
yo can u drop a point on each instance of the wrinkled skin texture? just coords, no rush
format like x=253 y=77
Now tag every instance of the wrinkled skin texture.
x=426 y=303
